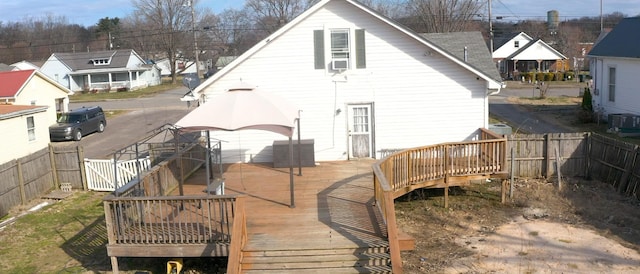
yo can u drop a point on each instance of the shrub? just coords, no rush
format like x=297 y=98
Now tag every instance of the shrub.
x=569 y=75
x=540 y=77
x=586 y=100
x=585 y=114
x=548 y=76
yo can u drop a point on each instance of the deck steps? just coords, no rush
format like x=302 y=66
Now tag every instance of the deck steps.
x=373 y=259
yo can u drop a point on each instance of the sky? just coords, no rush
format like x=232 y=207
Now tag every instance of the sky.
x=89 y=12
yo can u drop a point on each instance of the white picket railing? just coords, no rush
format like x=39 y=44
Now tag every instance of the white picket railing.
x=100 y=173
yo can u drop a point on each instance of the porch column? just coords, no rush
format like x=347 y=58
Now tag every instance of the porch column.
x=539 y=65
x=110 y=81
x=515 y=68
x=89 y=81
x=131 y=80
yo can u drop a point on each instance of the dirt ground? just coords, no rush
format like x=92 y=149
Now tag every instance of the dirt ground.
x=586 y=227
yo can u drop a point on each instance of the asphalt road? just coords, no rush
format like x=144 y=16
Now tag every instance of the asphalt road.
x=143 y=116
x=519 y=118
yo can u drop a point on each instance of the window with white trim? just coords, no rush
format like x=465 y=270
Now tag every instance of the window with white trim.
x=345 y=51
x=612 y=84
x=340 y=44
x=516 y=44
x=31 y=128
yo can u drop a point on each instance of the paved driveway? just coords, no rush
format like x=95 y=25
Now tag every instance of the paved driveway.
x=518 y=117
x=143 y=116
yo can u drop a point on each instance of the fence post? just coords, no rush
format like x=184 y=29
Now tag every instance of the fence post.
x=587 y=172
x=23 y=196
x=83 y=172
x=54 y=168
x=547 y=156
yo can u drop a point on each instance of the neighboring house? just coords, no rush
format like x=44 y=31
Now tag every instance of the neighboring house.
x=25 y=130
x=24 y=65
x=615 y=67
x=5 y=67
x=112 y=70
x=365 y=84
x=519 y=52
x=31 y=87
x=182 y=67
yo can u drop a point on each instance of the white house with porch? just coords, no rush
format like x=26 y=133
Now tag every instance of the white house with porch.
x=365 y=85
x=112 y=70
x=519 y=52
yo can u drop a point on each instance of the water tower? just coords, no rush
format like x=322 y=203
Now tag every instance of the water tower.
x=553 y=21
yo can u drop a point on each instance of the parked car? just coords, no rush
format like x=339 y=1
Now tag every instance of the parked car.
x=77 y=123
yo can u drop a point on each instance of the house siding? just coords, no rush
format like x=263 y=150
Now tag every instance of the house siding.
x=42 y=93
x=18 y=137
x=418 y=100
x=627 y=94
x=57 y=71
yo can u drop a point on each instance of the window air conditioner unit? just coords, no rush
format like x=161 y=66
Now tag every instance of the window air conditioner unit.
x=340 y=64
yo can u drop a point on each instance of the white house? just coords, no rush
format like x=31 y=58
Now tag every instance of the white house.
x=615 y=67
x=32 y=88
x=25 y=130
x=519 y=52
x=364 y=84
x=111 y=70
x=24 y=65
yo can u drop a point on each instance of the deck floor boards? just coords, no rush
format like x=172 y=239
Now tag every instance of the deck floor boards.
x=333 y=205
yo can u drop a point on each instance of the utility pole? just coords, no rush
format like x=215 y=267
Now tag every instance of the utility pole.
x=601 y=20
x=195 y=37
x=490 y=31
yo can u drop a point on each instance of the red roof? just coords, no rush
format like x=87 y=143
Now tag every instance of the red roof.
x=12 y=81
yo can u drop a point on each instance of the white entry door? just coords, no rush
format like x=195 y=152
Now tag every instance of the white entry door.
x=360 y=130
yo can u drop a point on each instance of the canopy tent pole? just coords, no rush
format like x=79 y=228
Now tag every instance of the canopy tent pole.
x=293 y=204
x=207 y=162
x=299 y=148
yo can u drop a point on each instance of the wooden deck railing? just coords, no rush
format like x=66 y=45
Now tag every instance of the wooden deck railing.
x=237 y=243
x=179 y=221
x=432 y=166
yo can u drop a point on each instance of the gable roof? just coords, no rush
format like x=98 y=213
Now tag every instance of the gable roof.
x=10 y=111
x=477 y=52
x=12 y=82
x=622 y=41
x=536 y=42
x=495 y=83
x=82 y=60
x=501 y=41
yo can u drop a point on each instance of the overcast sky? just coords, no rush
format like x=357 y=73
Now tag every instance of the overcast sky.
x=89 y=12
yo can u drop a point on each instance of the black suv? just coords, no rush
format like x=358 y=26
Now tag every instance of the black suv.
x=77 y=123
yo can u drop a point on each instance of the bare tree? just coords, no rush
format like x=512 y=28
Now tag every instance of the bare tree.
x=169 y=22
x=443 y=15
x=273 y=14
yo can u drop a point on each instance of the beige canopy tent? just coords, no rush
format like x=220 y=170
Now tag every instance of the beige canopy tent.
x=243 y=106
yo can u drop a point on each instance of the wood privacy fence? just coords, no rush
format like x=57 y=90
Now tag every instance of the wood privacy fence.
x=586 y=155
x=30 y=177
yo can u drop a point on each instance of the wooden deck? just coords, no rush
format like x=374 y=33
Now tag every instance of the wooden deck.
x=333 y=205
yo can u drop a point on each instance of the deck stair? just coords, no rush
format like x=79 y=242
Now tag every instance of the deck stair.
x=345 y=259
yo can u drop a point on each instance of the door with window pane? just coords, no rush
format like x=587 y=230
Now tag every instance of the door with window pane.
x=360 y=128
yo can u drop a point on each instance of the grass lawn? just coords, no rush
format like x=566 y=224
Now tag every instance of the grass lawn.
x=101 y=96
x=70 y=237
